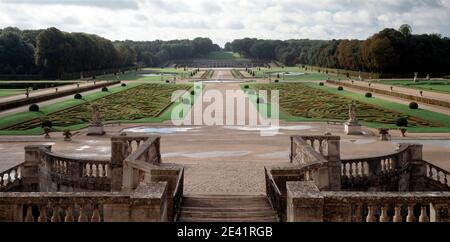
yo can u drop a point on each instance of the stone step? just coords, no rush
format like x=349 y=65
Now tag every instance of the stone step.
x=226 y=208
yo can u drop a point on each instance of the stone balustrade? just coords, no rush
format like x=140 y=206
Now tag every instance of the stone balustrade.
x=438 y=174
x=306 y=203
x=148 y=203
x=10 y=178
x=63 y=173
x=363 y=173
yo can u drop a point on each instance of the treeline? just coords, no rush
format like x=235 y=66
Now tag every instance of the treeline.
x=52 y=53
x=157 y=53
x=389 y=51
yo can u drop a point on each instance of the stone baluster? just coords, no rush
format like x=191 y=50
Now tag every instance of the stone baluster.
x=384 y=217
x=55 y=216
x=398 y=216
x=42 y=214
x=423 y=215
x=371 y=214
x=96 y=215
x=69 y=215
x=83 y=216
x=29 y=216
x=410 y=218
x=358 y=212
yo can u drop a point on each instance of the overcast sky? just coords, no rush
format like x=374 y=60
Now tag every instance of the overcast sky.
x=226 y=20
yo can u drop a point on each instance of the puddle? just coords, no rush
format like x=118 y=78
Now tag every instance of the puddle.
x=436 y=143
x=359 y=141
x=218 y=81
x=273 y=155
x=84 y=147
x=270 y=129
x=164 y=130
x=211 y=154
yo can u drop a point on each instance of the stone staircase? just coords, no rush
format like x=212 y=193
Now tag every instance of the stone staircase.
x=226 y=208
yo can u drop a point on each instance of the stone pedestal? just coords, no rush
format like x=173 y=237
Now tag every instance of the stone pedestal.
x=96 y=131
x=353 y=128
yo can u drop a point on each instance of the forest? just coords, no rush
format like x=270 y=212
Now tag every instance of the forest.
x=389 y=51
x=51 y=52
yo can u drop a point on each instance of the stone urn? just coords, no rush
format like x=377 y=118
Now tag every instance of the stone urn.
x=384 y=134
x=403 y=131
x=67 y=135
x=47 y=131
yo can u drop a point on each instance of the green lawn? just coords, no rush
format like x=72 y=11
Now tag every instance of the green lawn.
x=150 y=74
x=11 y=92
x=310 y=102
x=425 y=85
x=223 y=55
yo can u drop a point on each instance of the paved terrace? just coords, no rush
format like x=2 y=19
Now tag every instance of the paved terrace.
x=220 y=159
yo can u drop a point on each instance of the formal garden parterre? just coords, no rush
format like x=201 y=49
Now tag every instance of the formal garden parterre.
x=135 y=103
x=312 y=102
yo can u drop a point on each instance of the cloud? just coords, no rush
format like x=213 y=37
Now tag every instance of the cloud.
x=110 y=4
x=225 y=20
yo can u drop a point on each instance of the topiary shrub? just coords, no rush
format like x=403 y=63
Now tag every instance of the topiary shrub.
x=192 y=93
x=78 y=96
x=167 y=81
x=321 y=84
x=186 y=101
x=47 y=123
x=105 y=89
x=246 y=87
x=368 y=95
x=34 y=108
x=259 y=100
x=123 y=85
x=402 y=122
x=414 y=105
x=276 y=81
x=340 y=89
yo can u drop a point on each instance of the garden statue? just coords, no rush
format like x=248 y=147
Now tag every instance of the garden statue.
x=27 y=92
x=428 y=77
x=96 y=116
x=352 y=112
x=96 y=127
x=352 y=127
x=415 y=76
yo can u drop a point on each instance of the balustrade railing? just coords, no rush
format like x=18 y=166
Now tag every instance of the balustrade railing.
x=438 y=174
x=309 y=149
x=10 y=178
x=81 y=173
x=392 y=207
x=307 y=203
x=274 y=195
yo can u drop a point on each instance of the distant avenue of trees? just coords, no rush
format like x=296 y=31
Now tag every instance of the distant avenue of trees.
x=157 y=53
x=389 y=51
x=52 y=53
